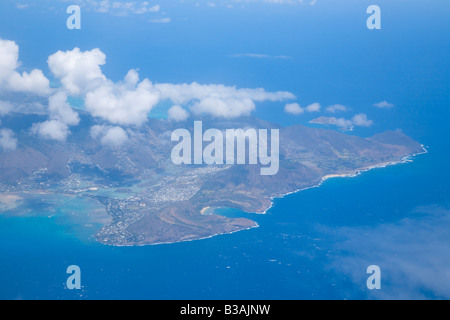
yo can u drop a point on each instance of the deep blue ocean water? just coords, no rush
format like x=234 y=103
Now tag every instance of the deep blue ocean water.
x=300 y=250
x=314 y=244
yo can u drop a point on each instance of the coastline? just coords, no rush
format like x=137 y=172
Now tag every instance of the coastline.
x=357 y=172
x=187 y=240
x=354 y=173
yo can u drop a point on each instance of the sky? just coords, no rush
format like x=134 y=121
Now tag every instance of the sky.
x=310 y=62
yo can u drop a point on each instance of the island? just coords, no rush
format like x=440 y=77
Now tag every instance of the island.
x=151 y=200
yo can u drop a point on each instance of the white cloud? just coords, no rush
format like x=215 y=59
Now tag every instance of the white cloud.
x=7 y=140
x=160 y=20
x=5 y=107
x=343 y=124
x=336 y=108
x=51 y=129
x=183 y=93
x=9 y=53
x=109 y=136
x=361 y=120
x=384 y=105
x=129 y=102
x=177 y=113
x=224 y=107
x=293 y=108
x=125 y=103
x=33 y=82
x=315 y=107
x=60 y=110
x=11 y=80
x=61 y=116
x=218 y=100
x=79 y=72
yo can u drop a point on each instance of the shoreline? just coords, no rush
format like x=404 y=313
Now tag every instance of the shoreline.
x=354 y=173
x=181 y=241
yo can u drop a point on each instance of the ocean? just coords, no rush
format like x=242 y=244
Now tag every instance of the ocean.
x=299 y=251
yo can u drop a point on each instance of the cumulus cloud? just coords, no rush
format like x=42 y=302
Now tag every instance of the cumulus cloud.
x=126 y=103
x=61 y=116
x=384 y=105
x=336 y=108
x=177 y=113
x=218 y=100
x=224 y=107
x=314 y=107
x=343 y=124
x=60 y=110
x=33 y=82
x=361 y=120
x=78 y=71
x=11 y=80
x=51 y=129
x=109 y=135
x=183 y=93
x=7 y=140
x=293 y=108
